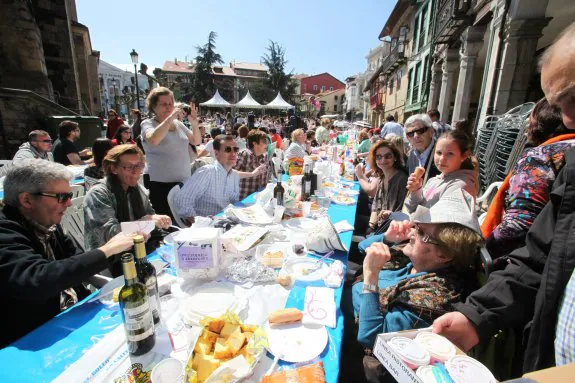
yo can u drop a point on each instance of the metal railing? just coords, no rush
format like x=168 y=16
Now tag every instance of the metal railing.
x=395 y=56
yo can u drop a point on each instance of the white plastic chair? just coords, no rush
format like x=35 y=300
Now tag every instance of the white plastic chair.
x=482 y=202
x=78 y=191
x=171 y=195
x=73 y=221
x=5 y=165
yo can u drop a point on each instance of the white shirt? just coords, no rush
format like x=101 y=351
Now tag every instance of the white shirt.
x=208 y=191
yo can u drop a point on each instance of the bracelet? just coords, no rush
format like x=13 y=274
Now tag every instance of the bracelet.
x=369 y=288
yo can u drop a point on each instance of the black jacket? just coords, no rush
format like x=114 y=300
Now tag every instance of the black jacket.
x=527 y=292
x=30 y=285
x=430 y=168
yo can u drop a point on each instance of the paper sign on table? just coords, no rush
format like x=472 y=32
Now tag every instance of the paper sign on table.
x=319 y=306
x=142 y=227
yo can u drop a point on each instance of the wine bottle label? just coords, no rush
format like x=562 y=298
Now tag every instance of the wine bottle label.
x=138 y=322
x=307 y=186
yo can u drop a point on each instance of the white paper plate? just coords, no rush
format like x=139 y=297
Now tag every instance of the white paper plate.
x=296 y=268
x=300 y=224
x=297 y=342
x=211 y=299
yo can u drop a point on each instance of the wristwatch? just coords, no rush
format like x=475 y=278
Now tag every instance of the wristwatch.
x=368 y=288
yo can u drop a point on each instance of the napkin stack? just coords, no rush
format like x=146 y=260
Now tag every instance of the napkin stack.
x=319 y=307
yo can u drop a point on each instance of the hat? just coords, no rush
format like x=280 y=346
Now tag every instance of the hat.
x=456 y=206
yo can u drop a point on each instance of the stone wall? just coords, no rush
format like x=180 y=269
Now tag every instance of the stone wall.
x=52 y=19
x=22 y=63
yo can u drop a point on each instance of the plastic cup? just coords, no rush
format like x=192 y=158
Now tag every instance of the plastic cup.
x=439 y=348
x=168 y=371
x=464 y=369
x=306 y=208
x=412 y=353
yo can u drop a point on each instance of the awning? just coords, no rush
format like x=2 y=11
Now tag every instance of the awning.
x=278 y=103
x=248 y=102
x=216 y=102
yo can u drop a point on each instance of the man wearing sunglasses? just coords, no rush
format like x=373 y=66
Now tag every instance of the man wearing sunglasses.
x=41 y=272
x=419 y=132
x=213 y=187
x=39 y=145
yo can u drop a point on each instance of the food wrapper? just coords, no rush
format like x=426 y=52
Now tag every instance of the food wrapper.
x=310 y=373
x=249 y=270
x=239 y=367
x=295 y=166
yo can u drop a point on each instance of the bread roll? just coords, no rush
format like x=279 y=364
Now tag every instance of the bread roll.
x=285 y=316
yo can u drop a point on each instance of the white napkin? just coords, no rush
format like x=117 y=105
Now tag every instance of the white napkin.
x=342 y=226
x=319 y=307
x=144 y=227
x=335 y=275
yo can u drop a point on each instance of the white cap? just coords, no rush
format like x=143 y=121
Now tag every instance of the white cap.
x=457 y=206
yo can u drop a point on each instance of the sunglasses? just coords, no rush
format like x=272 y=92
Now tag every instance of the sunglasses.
x=228 y=149
x=134 y=168
x=419 y=132
x=61 y=197
x=426 y=238
x=386 y=156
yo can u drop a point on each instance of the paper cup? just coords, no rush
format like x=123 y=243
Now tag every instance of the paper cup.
x=412 y=353
x=464 y=369
x=439 y=348
x=168 y=371
x=425 y=373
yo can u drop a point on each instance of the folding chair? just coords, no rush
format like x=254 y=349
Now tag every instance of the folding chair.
x=73 y=221
x=171 y=195
x=78 y=191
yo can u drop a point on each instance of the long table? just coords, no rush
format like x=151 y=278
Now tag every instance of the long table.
x=45 y=353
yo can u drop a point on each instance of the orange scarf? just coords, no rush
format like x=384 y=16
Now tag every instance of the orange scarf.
x=497 y=205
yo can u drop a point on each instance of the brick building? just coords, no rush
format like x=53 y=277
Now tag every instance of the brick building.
x=320 y=83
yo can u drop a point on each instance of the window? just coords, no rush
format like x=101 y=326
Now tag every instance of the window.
x=315 y=87
x=423 y=29
x=409 y=83
x=323 y=88
x=331 y=88
x=391 y=85
x=415 y=34
x=399 y=76
x=334 y=98
x=353 y=92
x=416 y=83
x=335 y=107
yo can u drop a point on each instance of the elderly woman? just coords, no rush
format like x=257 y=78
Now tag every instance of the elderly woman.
x=166 y=140
x=527 y=188
x=426 y=278
x=321 y=133
x=118 y=198
x=299 y=146
x=364 y=143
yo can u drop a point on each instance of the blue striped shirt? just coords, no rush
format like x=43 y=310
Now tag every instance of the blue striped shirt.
x=208 y=191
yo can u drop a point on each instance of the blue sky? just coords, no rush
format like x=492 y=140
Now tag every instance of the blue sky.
x=319 y=36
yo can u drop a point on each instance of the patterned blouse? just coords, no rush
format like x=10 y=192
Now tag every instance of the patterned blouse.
x=529 y=190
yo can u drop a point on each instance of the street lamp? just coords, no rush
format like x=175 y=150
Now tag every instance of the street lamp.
x=115 y=95
x=134 y=57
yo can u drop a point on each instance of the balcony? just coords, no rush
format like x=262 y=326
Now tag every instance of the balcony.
x=375 y=101
x=452 y=19
x=394 y=59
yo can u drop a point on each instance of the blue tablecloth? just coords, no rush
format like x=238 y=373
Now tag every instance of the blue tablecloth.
x=46 y=352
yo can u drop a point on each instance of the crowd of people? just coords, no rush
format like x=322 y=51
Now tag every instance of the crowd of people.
x=421 y=255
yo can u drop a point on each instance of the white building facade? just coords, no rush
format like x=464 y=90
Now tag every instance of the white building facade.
x=116 y=86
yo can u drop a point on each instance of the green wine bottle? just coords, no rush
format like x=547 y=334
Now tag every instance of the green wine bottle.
x=135 y=309
x=147 y=275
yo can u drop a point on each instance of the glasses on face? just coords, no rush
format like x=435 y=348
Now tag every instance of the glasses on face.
x=386 y=156
x=61 y=197
x=419 y=132
x=133 y=168
x=228 y=149
x=424 y=237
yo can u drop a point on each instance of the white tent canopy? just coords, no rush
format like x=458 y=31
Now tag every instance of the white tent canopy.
x=248 y=102
x=279 y=103
x=216 y=102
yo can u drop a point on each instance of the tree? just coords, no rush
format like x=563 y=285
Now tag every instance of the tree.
x=277 y=79
x=202 y=85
